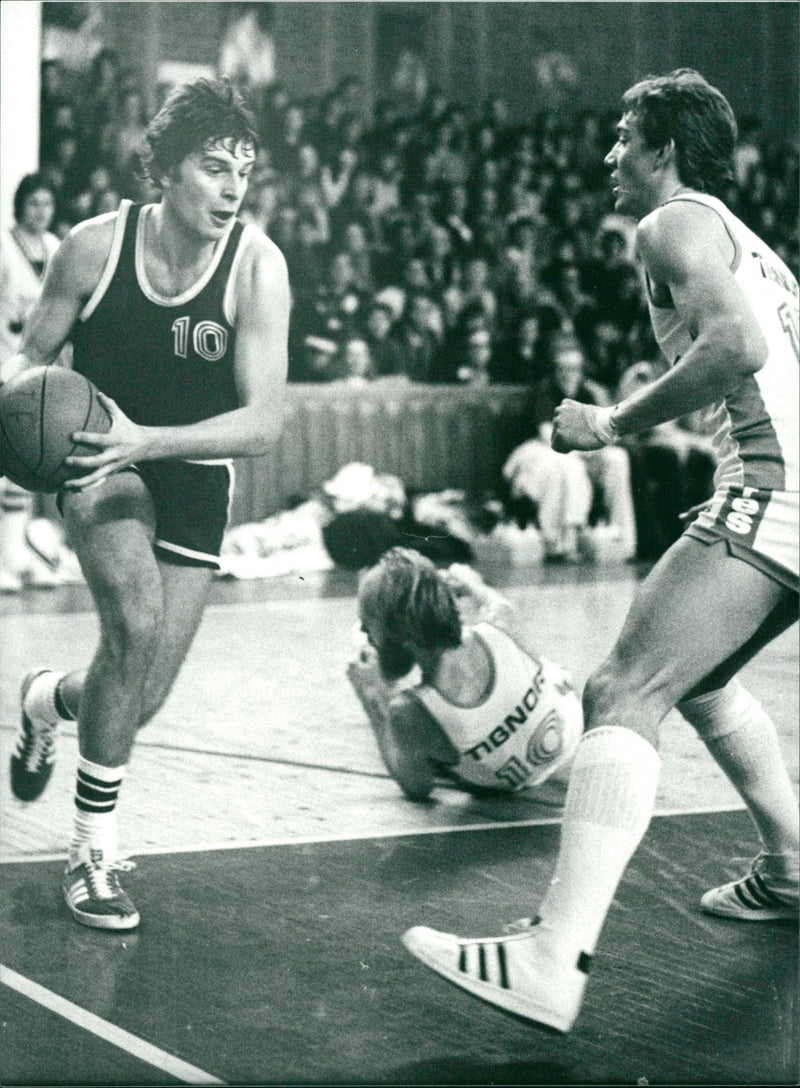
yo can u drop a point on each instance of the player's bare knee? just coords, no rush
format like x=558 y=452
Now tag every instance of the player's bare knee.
x=130 y=627
x=611 y=698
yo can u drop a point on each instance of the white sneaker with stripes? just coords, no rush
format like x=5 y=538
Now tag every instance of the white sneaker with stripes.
x=765 y=894
x=514 y=973
x=93 y=893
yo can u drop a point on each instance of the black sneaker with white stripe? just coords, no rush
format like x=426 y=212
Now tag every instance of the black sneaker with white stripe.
x=93 y=893
x=34 y=754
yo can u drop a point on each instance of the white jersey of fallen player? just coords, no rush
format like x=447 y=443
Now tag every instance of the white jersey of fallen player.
x=756 y=426
x=526 y=727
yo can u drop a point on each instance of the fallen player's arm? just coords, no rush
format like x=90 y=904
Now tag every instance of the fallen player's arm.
x=479 y=603
x=411 y=743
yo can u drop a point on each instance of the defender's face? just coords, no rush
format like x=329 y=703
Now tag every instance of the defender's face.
x=207 y=189
x=632 y=165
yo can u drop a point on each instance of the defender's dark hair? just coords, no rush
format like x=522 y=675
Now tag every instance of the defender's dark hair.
x=194 y=116
x=414 y=604
x=31 y=183
x=684 y=107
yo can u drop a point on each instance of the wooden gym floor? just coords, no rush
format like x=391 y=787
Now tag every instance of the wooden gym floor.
x=278 y=866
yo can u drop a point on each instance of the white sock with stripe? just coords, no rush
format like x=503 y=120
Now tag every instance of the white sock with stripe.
x=95 y=822
x=743 y=740
x=610 y=799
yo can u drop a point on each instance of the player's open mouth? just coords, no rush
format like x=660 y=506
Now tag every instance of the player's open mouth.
x=222 y=218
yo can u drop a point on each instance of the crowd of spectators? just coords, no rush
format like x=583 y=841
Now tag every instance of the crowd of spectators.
x=423 y=240
x=429 y=243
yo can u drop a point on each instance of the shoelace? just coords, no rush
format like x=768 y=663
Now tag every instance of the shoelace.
x=42 y=742
x=102 y=874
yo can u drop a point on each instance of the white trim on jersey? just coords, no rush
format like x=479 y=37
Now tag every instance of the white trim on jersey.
x=111 y=261
x=146 y=287
x=229 y=298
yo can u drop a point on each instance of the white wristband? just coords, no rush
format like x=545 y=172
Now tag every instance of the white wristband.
x=603 y=425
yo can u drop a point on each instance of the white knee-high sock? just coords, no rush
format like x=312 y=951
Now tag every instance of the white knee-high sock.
x=610 y=798
x=95 y=822
x=743 y=740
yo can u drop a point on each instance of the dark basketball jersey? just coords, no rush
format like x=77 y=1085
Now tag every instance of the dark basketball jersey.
x=165 y=361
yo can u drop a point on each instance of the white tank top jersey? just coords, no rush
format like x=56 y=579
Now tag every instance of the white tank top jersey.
x=756 y=426
x=527 y=726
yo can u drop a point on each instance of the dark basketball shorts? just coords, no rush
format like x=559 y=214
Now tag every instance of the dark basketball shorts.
x=192 y=502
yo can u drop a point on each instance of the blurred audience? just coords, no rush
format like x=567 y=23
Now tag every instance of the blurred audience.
x=439 y=246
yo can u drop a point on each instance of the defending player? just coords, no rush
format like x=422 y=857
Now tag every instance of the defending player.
x=179 y=313
x=725 y=312
x=482 y=710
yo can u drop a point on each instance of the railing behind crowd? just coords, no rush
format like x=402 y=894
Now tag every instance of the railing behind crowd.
x=431 y=437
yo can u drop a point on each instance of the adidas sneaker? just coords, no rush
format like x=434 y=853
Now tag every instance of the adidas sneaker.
x=514 y=973
x=93 y=893
x=759 y=896
x=34 y=755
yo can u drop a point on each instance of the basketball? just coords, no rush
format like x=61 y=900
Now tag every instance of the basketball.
x=40 y=409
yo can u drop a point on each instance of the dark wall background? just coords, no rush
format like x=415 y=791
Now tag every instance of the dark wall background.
x=750 y=50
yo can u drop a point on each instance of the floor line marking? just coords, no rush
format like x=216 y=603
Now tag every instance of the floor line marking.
x=118 y=1037
x=349 y=836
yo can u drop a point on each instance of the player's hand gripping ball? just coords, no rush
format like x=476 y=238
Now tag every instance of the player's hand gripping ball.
x=40 y=410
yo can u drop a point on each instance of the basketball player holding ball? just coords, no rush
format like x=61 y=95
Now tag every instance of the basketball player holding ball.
x=178 y=312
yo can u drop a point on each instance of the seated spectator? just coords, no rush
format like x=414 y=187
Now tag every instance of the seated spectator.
x=387 y=181
x=453 y=212
x=470 y=319
x=286 y=142
x=477 y=286
x=444 y=163
x=356 y=361
x=488 y=226
x=475 y=368
x=565 y=487
x=322 y=128
x=441 y=264
x=342 y=296
x=522 y=356
x=605 y=345
x=519 y=268
x=355 y=244
x=387 y=356
x=336 y=175
x=307 y=260
x=419 y=344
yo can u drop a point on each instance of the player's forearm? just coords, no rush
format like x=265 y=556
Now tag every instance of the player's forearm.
x=244 y=432
x=712 y=367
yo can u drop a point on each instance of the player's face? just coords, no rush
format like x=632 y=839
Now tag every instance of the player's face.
x=207 y=189
x=632 y=163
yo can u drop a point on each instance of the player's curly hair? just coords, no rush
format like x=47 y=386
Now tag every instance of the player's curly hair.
x=684 y=107
x=413 y=602
x=192 y=117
